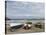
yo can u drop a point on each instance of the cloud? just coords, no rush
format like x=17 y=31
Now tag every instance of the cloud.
x=16 y=8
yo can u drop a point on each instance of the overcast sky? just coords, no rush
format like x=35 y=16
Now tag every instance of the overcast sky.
x=32 y=9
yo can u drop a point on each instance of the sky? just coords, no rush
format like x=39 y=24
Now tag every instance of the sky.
x=21 y=9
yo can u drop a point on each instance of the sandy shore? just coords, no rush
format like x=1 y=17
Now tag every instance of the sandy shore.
x=21 y=30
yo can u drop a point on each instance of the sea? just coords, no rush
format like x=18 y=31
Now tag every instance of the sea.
x=22 y=21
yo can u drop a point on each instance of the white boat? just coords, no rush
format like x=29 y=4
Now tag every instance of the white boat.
x=15 y=24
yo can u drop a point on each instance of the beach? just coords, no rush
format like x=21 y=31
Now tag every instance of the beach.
x=21 y=30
